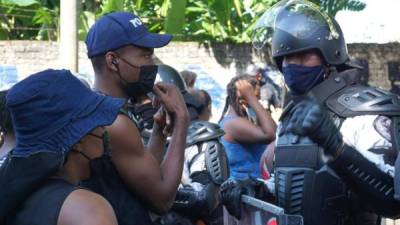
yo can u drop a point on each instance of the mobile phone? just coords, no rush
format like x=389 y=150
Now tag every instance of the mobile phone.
x=251 y=114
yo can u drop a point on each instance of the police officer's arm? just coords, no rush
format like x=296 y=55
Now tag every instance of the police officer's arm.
x=154 y=183
x=373 y=186
x=243 y=130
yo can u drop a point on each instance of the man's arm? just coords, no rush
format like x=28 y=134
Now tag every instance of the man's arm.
x=138 y=168
x=374 y=186
x=362 y=176
x=157 y=142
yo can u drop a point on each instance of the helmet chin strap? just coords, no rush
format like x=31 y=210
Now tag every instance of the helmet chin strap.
x=330 y=70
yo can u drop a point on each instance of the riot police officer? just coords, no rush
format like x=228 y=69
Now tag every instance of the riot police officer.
x=337 y=140
x=319 y=125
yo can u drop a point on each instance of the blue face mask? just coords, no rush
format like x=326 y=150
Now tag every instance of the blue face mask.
x=301 y=79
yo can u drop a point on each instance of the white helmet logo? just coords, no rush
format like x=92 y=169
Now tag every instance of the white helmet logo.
x=136 y=22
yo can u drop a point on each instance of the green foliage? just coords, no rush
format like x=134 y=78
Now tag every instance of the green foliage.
x=20 y=2
x=29 y=19
x=194 y=20
x=109 y=6
x=86 y=20
x=332 y=7
x=175 y=17
x=214 y=20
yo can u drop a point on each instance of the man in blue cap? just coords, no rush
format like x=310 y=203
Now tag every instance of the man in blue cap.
x=121 y=50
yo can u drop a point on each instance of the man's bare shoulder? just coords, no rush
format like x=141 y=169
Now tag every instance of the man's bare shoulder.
x=122 y=123
x=125 y=136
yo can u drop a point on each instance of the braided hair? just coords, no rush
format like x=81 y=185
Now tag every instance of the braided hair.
x=231 y=94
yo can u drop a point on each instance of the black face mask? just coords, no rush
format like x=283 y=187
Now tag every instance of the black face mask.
x=144 y=85
x=105 y=181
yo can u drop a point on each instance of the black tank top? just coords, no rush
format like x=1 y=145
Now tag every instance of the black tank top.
x=44 y=205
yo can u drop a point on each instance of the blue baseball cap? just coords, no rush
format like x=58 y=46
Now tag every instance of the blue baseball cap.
x=119 y=29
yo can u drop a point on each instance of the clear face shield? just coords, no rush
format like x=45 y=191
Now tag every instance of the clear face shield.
x=297 y=18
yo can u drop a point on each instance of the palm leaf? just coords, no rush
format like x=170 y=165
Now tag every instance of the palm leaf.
x=112 y=6
x=21 y=3
x=175 y=19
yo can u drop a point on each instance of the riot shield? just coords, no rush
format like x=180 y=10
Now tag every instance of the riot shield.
x=257 y=212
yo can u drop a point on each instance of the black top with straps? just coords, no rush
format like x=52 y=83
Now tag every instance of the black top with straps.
x=44 y=205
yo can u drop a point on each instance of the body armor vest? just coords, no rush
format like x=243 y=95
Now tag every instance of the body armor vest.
x=305 y=185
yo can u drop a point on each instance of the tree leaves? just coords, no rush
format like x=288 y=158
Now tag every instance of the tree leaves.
x=19 y=2
x=109 y=6
x=200 y=20
x=175 y=17
x=332 y=7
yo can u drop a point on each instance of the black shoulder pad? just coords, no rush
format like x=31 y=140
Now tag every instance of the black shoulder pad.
x=200 y=131
x=362 y=100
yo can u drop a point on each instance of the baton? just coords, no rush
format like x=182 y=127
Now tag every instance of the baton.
x=265 y=206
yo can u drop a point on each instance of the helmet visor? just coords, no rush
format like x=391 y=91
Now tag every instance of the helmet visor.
x=298 y=18
x=168 y=74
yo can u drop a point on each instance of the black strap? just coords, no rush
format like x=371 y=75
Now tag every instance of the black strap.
x=122 y=110
x=327 y=88
x=130 y=115
x=395 y=136
x=43 y=206
x=395 y=133
x=80 y=152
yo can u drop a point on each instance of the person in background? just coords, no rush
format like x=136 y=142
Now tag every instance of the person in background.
x=205 y=100
x=270 y=92
x=190 y=79
x=248 y=127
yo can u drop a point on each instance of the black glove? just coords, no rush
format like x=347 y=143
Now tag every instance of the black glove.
x=197 y=203
x=187 y=200
x=231 y=193
x=232 y=190
x=308 y=118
